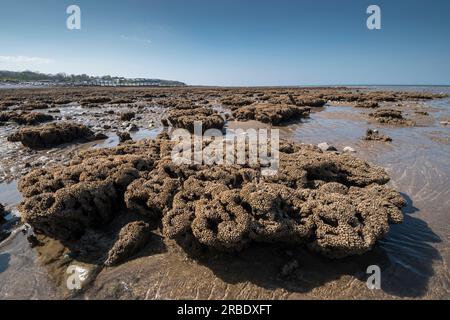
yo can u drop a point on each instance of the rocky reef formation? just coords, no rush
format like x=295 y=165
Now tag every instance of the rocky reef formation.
x=25 y=118
x=132 y=237
x=308 y=102
x=185 y=116
x=335 y=204
x=374 y=135
x=368 y=104
x=391 y=116
x=127 y=116
x=275 y=114
x=54 y=134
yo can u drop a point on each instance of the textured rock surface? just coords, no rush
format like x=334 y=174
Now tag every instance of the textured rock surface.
x=271 y=113
x=185 y=116
x=2 y=213
x=52 y=135
x=390 y=116
x=374 y=135
x=24 y=118
x=124 y=136
x=63 y=202
x=132 y=237
x=336 y=204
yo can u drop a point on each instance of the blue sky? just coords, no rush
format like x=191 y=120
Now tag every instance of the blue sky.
x=232 y=42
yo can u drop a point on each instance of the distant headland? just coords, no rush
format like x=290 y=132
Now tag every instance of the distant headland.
x=63 y=79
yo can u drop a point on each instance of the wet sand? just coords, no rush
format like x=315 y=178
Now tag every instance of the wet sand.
x=414 y=258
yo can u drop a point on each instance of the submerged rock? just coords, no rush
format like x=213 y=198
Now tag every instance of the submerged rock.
x=390 y=116
x=52 y=135
x=374 y=135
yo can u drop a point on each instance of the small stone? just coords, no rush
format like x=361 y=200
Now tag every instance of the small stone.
x=349 y=149
x=326 y=147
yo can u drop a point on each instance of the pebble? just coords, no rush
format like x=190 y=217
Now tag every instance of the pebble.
x=349 y=149
x=326 y=147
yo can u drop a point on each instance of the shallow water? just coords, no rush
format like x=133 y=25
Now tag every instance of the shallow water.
x=414 y=258
x=418 y=250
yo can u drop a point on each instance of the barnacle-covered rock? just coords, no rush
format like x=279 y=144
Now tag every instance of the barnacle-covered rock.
x=391 y=116
x=275 y=114
x=52 y=135
x=336 y=204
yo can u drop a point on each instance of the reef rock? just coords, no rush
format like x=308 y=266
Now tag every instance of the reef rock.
x=127 y=116
x=390 y=116
x=275 y=114
x=184 y=117
x=374 y=135
x=326 y=147
x=335 y=204
x=367 y=104
x=124 y=136
x=65 y=201
x=52 y=135
x=132 y=237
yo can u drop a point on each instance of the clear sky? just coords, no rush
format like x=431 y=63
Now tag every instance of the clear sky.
x=232 y=42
